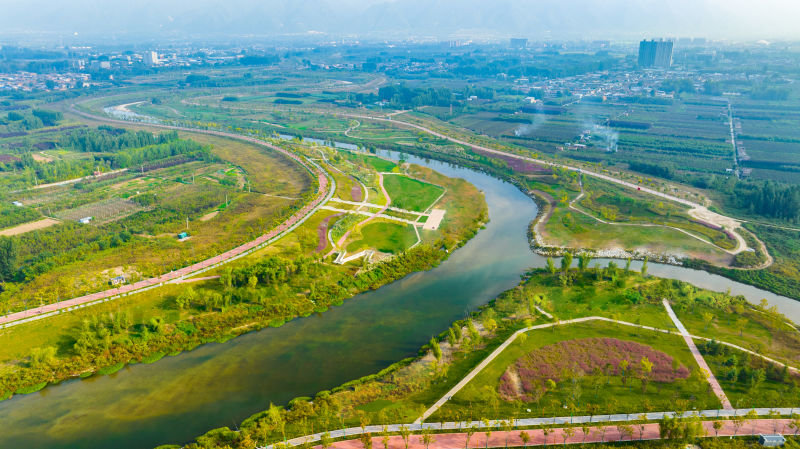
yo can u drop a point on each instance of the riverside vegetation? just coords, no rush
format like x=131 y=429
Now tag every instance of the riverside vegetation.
x=283 y=281
x=640 y=371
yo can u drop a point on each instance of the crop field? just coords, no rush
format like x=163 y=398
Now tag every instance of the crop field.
x=102 y=212
x=231 y=196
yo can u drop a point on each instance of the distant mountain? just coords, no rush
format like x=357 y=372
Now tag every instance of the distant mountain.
x=567 y=19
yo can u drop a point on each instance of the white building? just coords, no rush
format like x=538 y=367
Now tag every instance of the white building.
x=151 y=58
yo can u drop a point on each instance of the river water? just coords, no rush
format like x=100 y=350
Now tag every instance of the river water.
x=181 y=397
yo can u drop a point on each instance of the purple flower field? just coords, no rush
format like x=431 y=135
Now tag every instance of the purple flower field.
x=527 y=377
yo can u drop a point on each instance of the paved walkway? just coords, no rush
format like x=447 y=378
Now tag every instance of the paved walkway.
x=596 y=434
x=712 y=380
x=753 y=427
x=326 y=189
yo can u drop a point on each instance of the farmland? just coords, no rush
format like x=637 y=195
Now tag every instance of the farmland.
x=126 y=222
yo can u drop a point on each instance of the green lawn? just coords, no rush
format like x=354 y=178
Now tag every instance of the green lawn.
x=385 y=237
x=410 y=194
x=595 y=394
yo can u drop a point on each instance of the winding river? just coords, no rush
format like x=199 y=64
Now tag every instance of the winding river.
x=181 y=397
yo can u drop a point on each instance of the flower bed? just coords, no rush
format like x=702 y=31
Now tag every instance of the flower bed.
x=588 y=356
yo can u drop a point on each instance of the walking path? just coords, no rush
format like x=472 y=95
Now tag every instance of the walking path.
x=651 y=225
x=326 y=188
x=565 y=435
x=343 y=238
x=712 y=380
x=596 y=434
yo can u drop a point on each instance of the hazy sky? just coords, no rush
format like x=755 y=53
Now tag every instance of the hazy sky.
x=536 y=19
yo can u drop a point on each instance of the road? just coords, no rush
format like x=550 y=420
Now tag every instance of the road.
x=698 y=211
x=326 y=188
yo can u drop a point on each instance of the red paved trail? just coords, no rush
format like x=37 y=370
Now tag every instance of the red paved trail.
x=173 y=275
x=556 y=436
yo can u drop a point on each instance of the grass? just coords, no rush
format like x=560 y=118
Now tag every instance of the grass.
x=386 y=237
x=480 y=398
x=411 y=194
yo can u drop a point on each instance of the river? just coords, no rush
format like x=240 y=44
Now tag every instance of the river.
x=181 y=397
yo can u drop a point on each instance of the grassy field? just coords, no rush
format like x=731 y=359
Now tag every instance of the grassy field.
x=411 y=194
x=386 y=237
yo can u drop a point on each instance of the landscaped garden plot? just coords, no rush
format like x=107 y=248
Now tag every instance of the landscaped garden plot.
x=386 y=237
x=411 y=194
x=618 y=388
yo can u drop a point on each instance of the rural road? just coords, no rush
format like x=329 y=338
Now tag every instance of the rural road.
x=326 y=189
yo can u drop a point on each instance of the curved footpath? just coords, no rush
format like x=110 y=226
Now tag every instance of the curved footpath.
x=697 y=210
x=324 y=193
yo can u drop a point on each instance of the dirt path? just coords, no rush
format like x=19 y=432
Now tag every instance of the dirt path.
x=30 y=226
x=712 y=380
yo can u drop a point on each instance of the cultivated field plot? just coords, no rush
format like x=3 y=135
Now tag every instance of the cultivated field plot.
x=101 y=212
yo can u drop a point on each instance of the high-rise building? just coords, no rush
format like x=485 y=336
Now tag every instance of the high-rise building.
x=519 y=42
x=655 y=53
x=151 y=58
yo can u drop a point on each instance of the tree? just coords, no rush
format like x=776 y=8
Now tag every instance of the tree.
x=795 y=424
x=470 y=432
x=43 y=357
x=546 y=431
x=526 y=438
x=405 y=434
x=708 y=317
x=488 y=431
x=325 y=440
x=585 y=429
x=646 y=367
x=717 y=427
x=8 y=258
x=566 y=262
x=584 y=259
x=427 y=437
x=741 y=323
x=366 y=440
x=623 y=371
x=276 y=417
x=551 y=267
x=644 y=267
x=437 y=351
x=567 y=433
